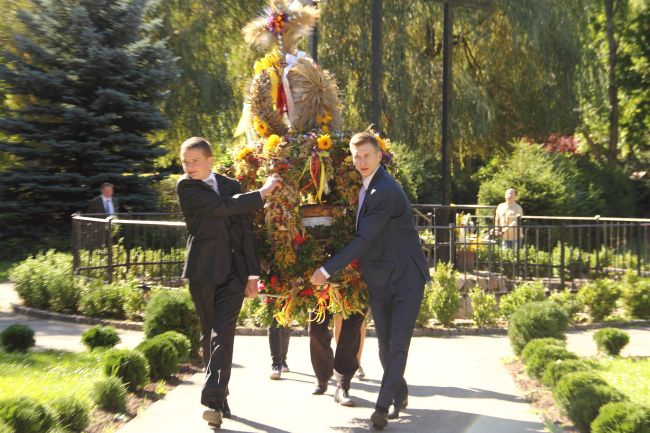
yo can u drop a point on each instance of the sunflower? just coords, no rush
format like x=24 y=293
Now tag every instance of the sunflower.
x=261 y=127
x=324 y=142
x=324 y=119
x=271 y=143
x=243 y=153
x=382 y=144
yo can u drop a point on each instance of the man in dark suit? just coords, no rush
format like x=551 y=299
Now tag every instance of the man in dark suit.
x=392 y=264
x=104 y=203
x=221 y=262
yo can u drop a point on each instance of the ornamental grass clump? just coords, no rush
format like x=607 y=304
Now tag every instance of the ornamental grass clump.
x=611 y=340
x=73 y=414
x=110 y=394
x=536 y=320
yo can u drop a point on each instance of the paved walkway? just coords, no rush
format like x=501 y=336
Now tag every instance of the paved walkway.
x=457 y=385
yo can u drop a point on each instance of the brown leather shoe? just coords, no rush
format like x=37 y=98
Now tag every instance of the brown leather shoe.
x=213 y=417
x=320 y=388
x=379 y=419
x=342 y=397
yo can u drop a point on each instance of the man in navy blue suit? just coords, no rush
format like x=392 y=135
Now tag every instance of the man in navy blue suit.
x=392 y=264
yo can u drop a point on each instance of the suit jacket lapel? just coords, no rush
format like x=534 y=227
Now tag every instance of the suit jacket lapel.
x=379 y=174
x=222 y=185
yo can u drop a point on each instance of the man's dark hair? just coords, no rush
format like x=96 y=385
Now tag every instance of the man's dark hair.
x=105 y=185
x=365 y=137
x=197 y=143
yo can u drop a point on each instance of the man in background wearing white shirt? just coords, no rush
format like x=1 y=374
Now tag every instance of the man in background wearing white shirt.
x=104 y=203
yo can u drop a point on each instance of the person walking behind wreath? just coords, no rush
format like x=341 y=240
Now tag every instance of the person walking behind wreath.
x=506 y=220
x=104 y=203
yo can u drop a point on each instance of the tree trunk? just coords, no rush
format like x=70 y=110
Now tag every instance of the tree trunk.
x=612 y=148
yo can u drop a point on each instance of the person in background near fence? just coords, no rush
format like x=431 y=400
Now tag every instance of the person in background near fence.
x=104 y=203
x=506 y=220
x=393 y=266
x=221 y=263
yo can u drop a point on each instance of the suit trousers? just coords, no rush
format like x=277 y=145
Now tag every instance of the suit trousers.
x=279 y=344
x=218 y=307
x=344 y=363
x=394 y=314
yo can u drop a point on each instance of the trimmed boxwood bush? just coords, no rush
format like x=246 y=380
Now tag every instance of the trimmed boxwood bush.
x=110 y=394
x=17 y=338
x=26 y=415
x=162 y=357
x=445 y=296
x=4 y=427
x=581 y=395
x=181 y=344
x=544 y=356
x=100 y=336
x=45 y=281
x=529 y=291
x=600 y=296
x=537 y=343
x=622 y=417
x=636 y=295
x=536 y=320
x=172 y=310
x=611 y=340
x=130 y=366
x=73 y=414
x=560 y=368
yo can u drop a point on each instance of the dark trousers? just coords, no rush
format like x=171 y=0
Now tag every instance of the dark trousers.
x=344 y=363
x=279 y=344
x=217 y=307
x=394 y=315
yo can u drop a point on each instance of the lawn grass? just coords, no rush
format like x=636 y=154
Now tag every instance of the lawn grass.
x=50 y=374
x=628 y=375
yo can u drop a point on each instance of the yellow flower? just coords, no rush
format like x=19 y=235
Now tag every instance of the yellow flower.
x=348 y=160
x=271 y=60
x=324 y=142
x=324 y=119
x=243 y=153
x=261 y=127
x=271 y=143
x=325 y=128
x=382 y=144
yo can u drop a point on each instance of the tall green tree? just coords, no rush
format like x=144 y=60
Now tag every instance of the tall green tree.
x=84 y=84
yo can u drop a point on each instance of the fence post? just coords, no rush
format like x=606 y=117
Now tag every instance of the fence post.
x=517 y=242
x=562 y=256
x=597 y=245
x=638 y=249
x=452 y=241
x=109 y=247
x=75 y=244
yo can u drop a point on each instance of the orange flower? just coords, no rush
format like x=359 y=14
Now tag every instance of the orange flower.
x=243 y=153
x=324 y=142
x=382 y=144
x=271 y=143
x=261 y=127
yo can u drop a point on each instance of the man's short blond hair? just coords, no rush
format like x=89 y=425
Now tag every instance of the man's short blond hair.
x=197 y=143
x=365 y=137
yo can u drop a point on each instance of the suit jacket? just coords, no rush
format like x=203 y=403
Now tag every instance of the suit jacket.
x=220 y=229
x=96 y=205
x=386 y=242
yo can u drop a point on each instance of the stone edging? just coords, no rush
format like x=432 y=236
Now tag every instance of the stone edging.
x=302 y=331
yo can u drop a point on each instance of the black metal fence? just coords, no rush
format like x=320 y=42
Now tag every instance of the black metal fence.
x=559 y=251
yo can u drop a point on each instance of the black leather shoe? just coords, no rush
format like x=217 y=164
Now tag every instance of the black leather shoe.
x=213 y=417
x=320 y=389
x=379 y=419
x=394 y=414
x=342 y=397
x=226 y=410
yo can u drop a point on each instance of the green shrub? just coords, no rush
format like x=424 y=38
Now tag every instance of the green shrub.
x=445 y=296
x=130 y=366
x=172 y=310
x=537 y=343
x=73 y=414
x=622 y=417
x=102 y=300
x=17 y=338
x=425 y=314
x=611 y=340
x=536 y=320
x=45 y=281
x=581 y=395
x=110 y=394
x=557 y=370
x=162 y=357
x=181 y=344
x=600 y=296
x=484 y=308
x=540 y=359
x=526 y=292
x=26 y=415
x=4 y=427
x=569 y=301
x=100 y=336
x=636 y=295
